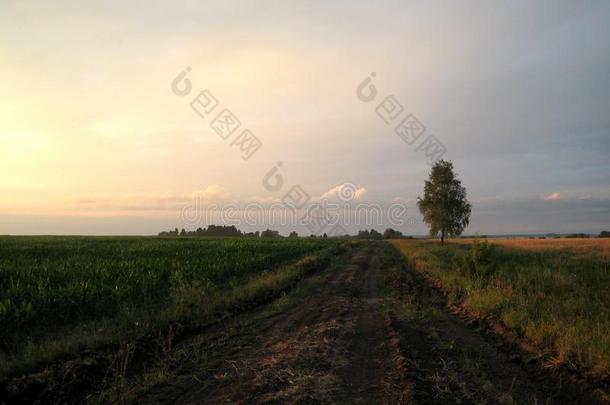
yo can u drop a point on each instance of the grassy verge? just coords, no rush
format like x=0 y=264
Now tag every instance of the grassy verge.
x=558 y=300
x=65 y=295
x=444 y=365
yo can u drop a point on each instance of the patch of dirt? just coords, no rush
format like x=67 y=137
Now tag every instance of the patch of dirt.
x=371 y=374
x=334 y=347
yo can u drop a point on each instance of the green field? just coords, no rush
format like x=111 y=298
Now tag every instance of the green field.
x=63 y=294
x=556 y=298
x=128 y=319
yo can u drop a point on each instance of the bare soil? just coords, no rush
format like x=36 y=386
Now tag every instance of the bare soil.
x=333 y=347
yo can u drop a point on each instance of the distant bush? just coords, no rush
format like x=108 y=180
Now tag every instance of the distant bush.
x=479 y=261
x=604 y=234
x=268 y=233
x=392 y=234
x=372 y=234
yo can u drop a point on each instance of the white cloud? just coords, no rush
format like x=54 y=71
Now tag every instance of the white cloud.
x=553 y=197
x=213 y=193
x=344 y=192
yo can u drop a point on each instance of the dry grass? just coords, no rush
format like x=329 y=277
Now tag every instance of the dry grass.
x=600 y=246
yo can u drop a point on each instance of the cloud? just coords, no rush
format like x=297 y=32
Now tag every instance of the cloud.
x=212 y=194
x=344 y=192
x=553 y=197
x=153 y=201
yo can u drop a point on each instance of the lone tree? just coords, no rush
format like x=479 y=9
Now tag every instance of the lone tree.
x=444 y=205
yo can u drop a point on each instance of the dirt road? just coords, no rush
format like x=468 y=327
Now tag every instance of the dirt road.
x=365 y=331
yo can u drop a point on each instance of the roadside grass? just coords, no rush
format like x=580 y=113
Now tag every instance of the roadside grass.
x=586 y=246
x=558 y=299
x=445 y=367
x=63 y=295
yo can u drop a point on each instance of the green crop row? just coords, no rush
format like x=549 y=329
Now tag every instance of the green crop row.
x=55 y=286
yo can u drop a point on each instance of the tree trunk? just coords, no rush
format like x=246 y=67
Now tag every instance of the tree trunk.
x=442 y=237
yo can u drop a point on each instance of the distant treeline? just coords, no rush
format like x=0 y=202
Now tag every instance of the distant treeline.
x=232 y=231
x=387 y=234
x=602 y=234
x=226 y=231
x=220 y=230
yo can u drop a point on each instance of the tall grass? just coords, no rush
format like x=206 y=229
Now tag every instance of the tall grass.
x=558 y=299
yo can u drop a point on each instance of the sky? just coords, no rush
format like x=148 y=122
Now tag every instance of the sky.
x=99 y=135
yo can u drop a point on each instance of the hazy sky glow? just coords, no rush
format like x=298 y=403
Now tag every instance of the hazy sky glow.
x=93 y=141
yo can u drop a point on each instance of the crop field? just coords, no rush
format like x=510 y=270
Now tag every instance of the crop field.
x=553 y=292
x=586 y=246
x=61 y=294
x=301 y=320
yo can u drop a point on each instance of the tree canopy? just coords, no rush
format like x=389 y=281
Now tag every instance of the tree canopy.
x=444 y=205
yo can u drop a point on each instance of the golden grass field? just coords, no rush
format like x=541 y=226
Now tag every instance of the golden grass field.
x=600 y=246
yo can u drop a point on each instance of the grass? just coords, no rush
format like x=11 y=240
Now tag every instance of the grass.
x=585 y=246
x=60 y=295
x=436 y=351
x=557 y=298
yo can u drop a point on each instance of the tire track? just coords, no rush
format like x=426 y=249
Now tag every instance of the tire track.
x=331 y=348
